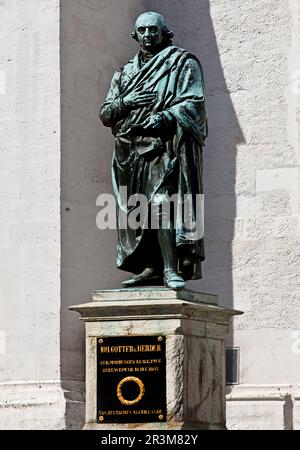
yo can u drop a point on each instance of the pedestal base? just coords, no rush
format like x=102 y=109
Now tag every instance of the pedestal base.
x=194 y=327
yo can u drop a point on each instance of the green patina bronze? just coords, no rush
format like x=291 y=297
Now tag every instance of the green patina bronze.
x=156 y=110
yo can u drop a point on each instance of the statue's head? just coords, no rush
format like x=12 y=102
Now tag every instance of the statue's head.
x=152 y=32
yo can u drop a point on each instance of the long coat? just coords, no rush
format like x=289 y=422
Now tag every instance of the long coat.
x=176 y=76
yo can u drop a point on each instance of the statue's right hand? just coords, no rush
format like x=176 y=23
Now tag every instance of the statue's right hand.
x=137 y=100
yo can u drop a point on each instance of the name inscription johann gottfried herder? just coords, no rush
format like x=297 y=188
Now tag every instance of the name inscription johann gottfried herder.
x=131 y=379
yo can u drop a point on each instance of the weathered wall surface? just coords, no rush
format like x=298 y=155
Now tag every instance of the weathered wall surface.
x=30 y=185
x=259 y=220
x=29 y=203
x=31 y=392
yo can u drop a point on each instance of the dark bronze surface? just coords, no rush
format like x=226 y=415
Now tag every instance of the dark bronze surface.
x=156 y=110
x=131 y=379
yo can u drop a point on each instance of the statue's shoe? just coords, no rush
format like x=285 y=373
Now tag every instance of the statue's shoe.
x=172 y=280
x=146 y=278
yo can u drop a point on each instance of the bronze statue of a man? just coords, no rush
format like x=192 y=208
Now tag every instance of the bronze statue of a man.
x=156 y=110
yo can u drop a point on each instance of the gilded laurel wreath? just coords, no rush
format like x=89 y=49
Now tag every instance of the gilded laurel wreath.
x=138 y=398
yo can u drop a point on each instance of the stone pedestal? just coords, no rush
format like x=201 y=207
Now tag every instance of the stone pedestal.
x=195 y=328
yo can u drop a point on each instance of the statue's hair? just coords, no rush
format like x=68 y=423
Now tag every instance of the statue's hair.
x=166 y=32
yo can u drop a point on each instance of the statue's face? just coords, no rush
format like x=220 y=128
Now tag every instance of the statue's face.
x=149 y=31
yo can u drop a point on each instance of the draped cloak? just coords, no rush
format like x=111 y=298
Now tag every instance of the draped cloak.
x=176 y=77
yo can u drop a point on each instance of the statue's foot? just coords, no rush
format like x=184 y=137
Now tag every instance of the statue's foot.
x=173 y=280
x=147 y=277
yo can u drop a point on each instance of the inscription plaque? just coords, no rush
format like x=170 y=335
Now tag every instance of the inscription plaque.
x=131 y=379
